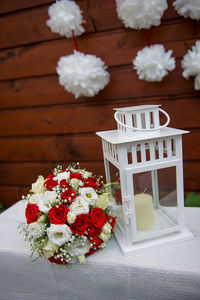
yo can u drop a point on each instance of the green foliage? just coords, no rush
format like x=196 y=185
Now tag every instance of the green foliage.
x=2 y=208
x=192 y=199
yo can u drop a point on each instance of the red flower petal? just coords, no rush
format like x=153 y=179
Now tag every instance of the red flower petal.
x=32 y=213
x=58 y=215
x=57 y=260
x=76 y=175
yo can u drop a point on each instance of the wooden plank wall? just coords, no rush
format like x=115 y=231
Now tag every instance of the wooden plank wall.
x=42 y=125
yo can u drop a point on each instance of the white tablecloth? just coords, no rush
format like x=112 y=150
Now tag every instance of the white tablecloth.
x=168 y=272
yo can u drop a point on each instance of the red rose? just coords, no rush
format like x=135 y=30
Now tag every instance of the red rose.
x=76 y=175
x=58 y=215
x=68 y=195
x=31 y=213
x=51 y=176
x=95 y=247
x=98 y=218
x=100 y=184
x=112 y=221
x=50 y=183
x=57 y=260
x=81 y=224
x=94 y=233
x=90 y=182
x=91 y=251
x=64 y=184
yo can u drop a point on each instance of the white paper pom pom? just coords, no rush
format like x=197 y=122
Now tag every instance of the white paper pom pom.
x=65 y=16
x=82 y=74
x=153 y=63
x=191 y=64
x=138 y=14
x=188 y=8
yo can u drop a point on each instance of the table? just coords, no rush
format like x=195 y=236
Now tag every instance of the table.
x=168 y=272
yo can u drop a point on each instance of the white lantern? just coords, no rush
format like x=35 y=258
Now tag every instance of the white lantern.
x=148 y=160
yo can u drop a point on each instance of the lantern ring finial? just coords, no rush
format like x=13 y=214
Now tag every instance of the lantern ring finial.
x=143 y=129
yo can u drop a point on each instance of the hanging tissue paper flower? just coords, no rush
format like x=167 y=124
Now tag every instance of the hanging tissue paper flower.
x=153 y=63
x=191 y=64
x=188 y=8
x=138 y=14
x=78 y=221
x=65 y=17
x=82 y=74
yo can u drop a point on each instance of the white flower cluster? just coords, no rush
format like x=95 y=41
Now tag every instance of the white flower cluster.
x=36 y=229
x=73 y=193
x=191 y=64
x=82 y=74
x=153 y=63
x=138 y=14
x=65 y=17
x=188 y=8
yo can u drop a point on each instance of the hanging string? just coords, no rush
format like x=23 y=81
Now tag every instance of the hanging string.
x=148 y=37
x=75 y=41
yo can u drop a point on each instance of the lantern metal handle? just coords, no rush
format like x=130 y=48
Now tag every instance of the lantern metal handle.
x=143 y=129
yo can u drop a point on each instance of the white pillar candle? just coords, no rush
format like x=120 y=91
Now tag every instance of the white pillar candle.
x=144 y=211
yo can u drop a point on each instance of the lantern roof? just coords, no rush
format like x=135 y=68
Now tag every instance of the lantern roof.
x=137 y=107
x=114 y=136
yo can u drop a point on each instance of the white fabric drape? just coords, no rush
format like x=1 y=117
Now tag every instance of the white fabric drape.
x=168 y=272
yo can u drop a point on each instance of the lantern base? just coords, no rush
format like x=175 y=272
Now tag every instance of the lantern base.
x=185 y=235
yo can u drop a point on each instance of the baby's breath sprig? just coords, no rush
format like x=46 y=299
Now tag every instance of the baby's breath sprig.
x=57 y=170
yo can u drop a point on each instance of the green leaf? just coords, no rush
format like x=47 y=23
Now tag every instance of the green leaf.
x=192 y=199
x=2 y=208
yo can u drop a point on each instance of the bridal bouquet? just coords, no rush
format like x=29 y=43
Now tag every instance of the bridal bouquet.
x=68 y=215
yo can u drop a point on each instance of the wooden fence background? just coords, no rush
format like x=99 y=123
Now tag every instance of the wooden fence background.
x=42 y=125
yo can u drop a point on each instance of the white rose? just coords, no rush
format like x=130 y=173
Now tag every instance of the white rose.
x=80 y=171
x=35 y=198
x=81 y=183
x=87 y=174
x=36 y=229
x=74 y=182
x=71 y=217
x=47 y=200
x=104 y=200
x=104 y=236
x=38 y=186
x=78 y=247
x=59 y=234
x=79 y=206
x=61 y=176
x=107 y=228
x=89 y=195
x=49 y=195
x=49 y=249
x=82 y=259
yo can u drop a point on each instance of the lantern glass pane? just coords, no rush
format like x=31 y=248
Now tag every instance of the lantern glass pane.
x=155 y=199
x=116 y=193
x=168 y=192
